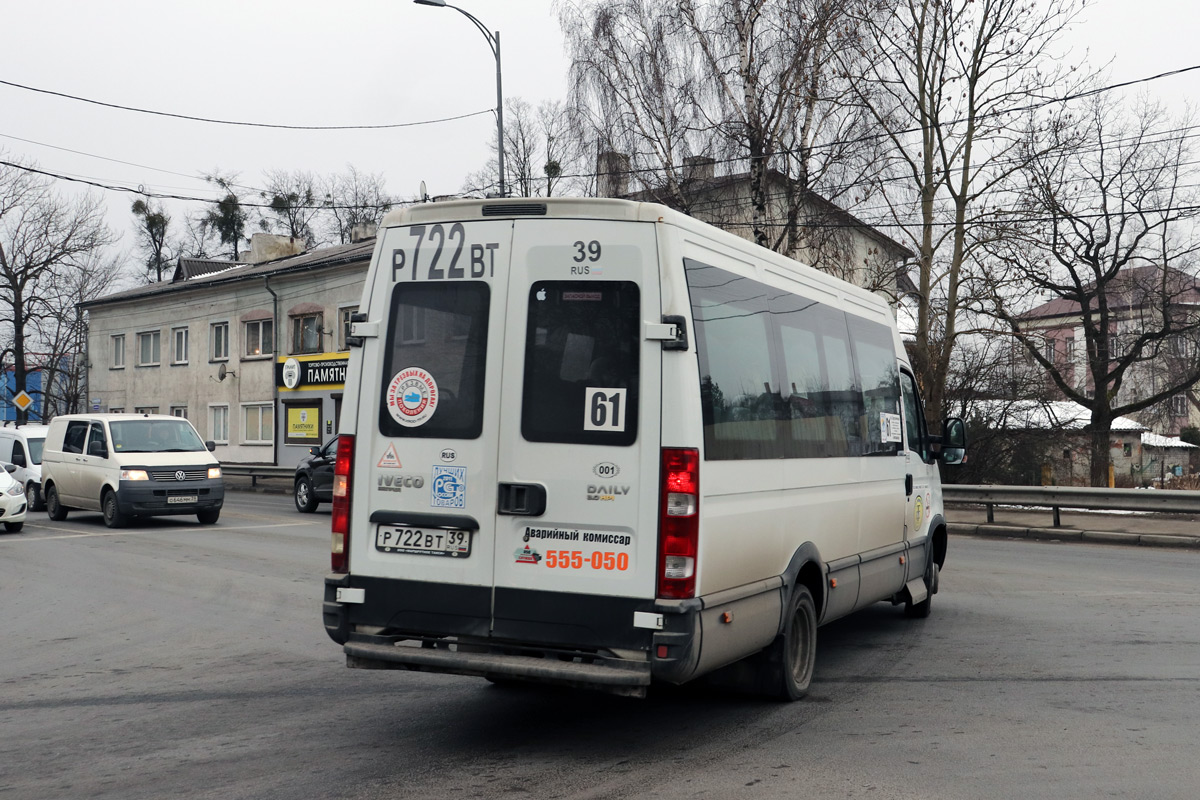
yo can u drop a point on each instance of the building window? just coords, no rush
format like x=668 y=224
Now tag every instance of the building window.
x=116 y=411
x=306 y=333
x=344 y=315
x=118 y=351
x=258 y=424
x=1069 y=348
x=1179 y=406
x=1051 y=350
x=260 y=337
x=179 y=343
x=218 y=424
x=148 y=348
x=145 y=409
x=179 y=411
x=1127 y=449
x=302 y=424
x=218 y=335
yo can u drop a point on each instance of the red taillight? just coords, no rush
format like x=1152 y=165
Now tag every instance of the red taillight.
x=340 y=554
x=679 y=522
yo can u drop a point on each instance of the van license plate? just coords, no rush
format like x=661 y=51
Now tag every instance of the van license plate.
x=182 y=498
x=390 y=539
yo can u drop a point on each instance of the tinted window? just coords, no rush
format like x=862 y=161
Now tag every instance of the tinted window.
x=875 y=360
x=433 y=377
x=582 y=347
x=738 y=391
x=35 y=450
x=783 y=376
x=75 y=436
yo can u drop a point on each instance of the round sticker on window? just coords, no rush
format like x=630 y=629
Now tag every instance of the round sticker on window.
x=412 y=397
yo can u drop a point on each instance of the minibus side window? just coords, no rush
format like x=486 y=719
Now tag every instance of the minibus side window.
x=739 y=390
x=437 y=336
x=582 y=356
x=875 y=358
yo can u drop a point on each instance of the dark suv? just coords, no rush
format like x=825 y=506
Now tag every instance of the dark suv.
x=314 y=477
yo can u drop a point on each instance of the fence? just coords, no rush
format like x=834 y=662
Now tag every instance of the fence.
x=1162 y=501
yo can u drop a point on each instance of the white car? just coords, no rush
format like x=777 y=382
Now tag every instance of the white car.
x=12 y=500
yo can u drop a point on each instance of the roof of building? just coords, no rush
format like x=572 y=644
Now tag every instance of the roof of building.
x=1132 y=288
x=188 y=268
x=229 y=272
x=1156 y=440
x=1044 y=415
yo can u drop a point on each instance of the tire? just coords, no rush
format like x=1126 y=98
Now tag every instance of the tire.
x=13 y=527
x=787 y=669
x=56 y=510
x=33 y=495
x=208 y=516
x=306 y=499
x=111 y=510
x=922 y=609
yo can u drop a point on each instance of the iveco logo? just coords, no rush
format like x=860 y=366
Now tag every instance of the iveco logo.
x=179 y=475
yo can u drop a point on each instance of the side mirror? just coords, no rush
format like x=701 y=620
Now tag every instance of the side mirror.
x=10 y=468
x=314 y=451
x=98 y=450
x=954 y=441
x=211 y=445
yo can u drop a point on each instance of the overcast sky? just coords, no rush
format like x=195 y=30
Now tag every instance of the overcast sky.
x=351 y=62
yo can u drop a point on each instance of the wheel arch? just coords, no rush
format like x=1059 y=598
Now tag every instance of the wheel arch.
x=807 y=569
x=938 y=540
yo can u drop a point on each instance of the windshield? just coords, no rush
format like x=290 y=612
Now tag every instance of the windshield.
x=155 y=436
x=35 y=450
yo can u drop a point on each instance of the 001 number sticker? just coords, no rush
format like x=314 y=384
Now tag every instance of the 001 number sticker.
x=575 y=559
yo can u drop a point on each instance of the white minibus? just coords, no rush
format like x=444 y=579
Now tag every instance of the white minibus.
x=598 y=443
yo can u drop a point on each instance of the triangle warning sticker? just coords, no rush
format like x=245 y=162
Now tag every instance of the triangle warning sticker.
x=390 y=460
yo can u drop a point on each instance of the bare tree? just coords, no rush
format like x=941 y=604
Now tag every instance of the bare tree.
x=227 y=218
x=292 y=205
x=748 y=83
x=542 y=156
x=948 y=81
x=354 y=198
x=152 y=229
x=1104 y=225
x=42 y=236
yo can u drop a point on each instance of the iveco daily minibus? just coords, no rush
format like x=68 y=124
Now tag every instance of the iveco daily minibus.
x=598 y=443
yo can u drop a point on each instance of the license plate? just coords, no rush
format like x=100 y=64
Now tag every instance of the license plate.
x=182 y=498
x=418 y=541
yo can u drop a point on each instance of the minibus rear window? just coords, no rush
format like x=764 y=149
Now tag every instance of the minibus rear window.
x=581 y=363
x=433 y=374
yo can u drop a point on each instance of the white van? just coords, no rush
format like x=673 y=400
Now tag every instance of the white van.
x=21 y=446
x=130 y=465
x=598 y=443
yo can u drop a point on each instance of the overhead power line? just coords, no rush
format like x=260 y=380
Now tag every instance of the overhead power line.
x=247 y=124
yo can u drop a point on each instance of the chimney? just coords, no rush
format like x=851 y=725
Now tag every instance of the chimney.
x=270 y=246
x=699 y=168
x=363 y=231
x=612 y=174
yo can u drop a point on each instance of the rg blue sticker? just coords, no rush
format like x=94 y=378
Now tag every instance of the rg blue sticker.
x=449 y=487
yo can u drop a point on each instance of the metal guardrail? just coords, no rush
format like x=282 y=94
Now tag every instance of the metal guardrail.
x=256 y=471
x=1163 y=501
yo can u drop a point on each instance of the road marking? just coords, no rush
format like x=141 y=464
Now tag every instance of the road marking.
x=130 y=532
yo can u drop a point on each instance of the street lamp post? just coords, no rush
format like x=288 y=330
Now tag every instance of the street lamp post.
x=493 y=40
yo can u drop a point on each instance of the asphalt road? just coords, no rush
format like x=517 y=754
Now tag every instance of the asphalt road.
x=177 y=660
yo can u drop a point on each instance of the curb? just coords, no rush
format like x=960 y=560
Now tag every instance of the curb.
x=1072 y=535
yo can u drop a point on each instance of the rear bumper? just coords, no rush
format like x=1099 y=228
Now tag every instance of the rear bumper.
x=556 y=638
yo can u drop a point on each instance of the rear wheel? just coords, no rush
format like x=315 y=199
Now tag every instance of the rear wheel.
x=13 y=527
x=113 y=517
x=55 y=509
x=208 y=516
x=787 y=667
x=306 y=499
